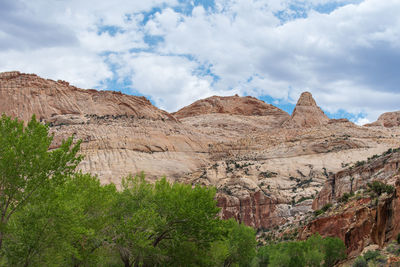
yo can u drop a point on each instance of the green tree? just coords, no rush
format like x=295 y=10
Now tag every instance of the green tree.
x=164 y=223
x=334 y=250
x=27 y=165
x=315 y=251
x=241 y=244
x=67 y=227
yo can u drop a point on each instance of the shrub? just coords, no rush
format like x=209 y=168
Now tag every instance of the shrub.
x=359 y=163
x=318 y=212
x=371 y=255
x=326 y=207
x=360 y=262
x=378 y=188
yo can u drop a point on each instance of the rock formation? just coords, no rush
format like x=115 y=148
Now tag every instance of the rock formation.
x=388 y=119
x=234 y=105
x=267 y=166
x=307 y=113
x=121 y=134
x=363 y=220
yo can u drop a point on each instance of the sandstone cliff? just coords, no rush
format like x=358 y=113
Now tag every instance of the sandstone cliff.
x=362 y=220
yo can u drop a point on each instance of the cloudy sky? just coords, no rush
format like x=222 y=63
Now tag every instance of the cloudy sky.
x=346 y=52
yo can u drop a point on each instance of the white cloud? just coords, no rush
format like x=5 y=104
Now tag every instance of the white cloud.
x=170 y=81
x=347 y=56
x=362 y=121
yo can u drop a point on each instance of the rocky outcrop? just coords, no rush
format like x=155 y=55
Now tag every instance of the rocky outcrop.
x=22 y=95
x=363 y=220
x=233 y=105
x=388 y=119
x=378 y=167
x=307 y=113
x=360 y=222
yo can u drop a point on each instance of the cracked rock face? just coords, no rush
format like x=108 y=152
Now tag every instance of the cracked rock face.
x=266 y=173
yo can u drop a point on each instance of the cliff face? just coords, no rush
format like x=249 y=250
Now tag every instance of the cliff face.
x=382 y=168
x=362 y=221
x=266 y=174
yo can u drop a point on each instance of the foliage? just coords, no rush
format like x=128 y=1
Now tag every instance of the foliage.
x=345 y=197
x=398 y=238
x=65 y=228
x=240 y=242
x=28 y=170
x=360 y=262
x=175 y=224
x=377 y=188
x=370 y=258
x=325 y=208
x=371 y=255
x=315 y=251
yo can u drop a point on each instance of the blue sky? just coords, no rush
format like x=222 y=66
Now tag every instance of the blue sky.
x=345 y=52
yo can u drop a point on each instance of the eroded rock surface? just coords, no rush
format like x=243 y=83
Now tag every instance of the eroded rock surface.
x=266 y=173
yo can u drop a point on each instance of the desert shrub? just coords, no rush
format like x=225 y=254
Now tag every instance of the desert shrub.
x=326 y=207
x=371 y=255
x=318 y=212
x=378 y=188
x=360 y=262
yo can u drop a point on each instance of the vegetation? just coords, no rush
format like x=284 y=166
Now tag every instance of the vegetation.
x=315 y=251
x=370 y=258
x=324 y=209
x=345 y=197
x=377 y=188
x=53 y=215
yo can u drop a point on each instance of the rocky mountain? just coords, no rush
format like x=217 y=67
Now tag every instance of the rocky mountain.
x=271 y=169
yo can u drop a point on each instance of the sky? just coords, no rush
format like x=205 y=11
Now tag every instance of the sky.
x=345 y=52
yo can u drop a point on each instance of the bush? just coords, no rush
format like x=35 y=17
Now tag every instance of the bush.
x=371 y=255
x=345 y=197
x=323 y=209
x=315 y=251
x=360 y=262
x=326 y=207
x=318 y=212
x=378 y=188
